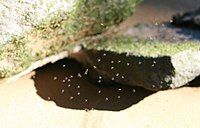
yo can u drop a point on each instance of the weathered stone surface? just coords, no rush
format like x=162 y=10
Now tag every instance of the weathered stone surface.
x=33 y=30
x=188 y=19
x=19 y=17
x=154 y=65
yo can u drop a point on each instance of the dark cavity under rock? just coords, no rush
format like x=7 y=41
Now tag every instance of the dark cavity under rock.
x=150 y=73
x=170 y=59
x=187 y=19
x=165 y=32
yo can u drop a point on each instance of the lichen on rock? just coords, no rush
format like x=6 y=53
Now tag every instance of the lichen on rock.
x=33 y=30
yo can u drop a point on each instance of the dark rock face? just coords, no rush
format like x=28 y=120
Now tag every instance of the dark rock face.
x=150 y=64
x=151 y=73
x=188 y=19
x=165 y=32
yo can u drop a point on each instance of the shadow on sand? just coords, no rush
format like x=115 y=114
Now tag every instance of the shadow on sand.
x=65 y=83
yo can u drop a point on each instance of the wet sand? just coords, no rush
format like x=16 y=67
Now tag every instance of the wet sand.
x=42 y=99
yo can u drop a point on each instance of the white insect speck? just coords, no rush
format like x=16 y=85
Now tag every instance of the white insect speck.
x=153 y=86
x=106 y=99
x=112 y=78
x=119 y=89
x=153 y=65
x=79 y=75
x=111 y=68
x=100 y=77
x=118 y=97
x=49 y=98
x=86 y=71
x=69 y=80
x=94 y=67
x=71 y=76
x=117 y=74
x=104 y=54
x=171 y=21
x=78 y=93
x=98 y=60
x=86 y=100
x=133 y=90
x=154 y=62
x=122 y=77
x=71 y=98
x=78 y=86
x=63 y=81
x=69 y=85
x=112 y=62
x=119 y=61
x=99 y=81
x=55 y=78
x=63 y=91
x=140 y=62
x=161 y=82
x=66 y=78
x=127 y=64
x=64 y=66
x=99 y=91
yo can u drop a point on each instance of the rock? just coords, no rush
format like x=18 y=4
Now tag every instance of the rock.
x=187 y=19
x=151 y=64
x=164 y=32
x=33 y=30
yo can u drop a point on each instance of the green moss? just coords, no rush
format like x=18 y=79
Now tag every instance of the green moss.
x=14 y=57
x=95 y=16
x=61 y=32
x=142 y=47
x=90 y=17
x=19 y=57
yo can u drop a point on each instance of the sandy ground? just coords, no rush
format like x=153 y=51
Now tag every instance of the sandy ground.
x=47 y=99
x=30 y=102
x=21 y=107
